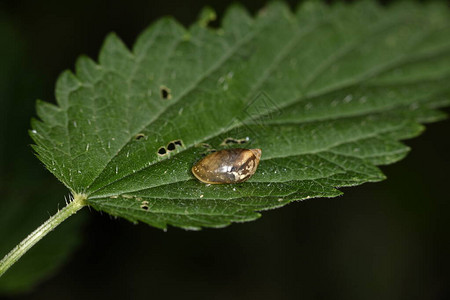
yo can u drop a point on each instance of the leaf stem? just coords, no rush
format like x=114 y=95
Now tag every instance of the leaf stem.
x=78 y=202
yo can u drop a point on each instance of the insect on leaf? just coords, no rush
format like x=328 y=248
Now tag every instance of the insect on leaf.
x=326 y=92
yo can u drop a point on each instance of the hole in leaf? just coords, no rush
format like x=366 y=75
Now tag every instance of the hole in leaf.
x=144 y=205
x=171 y=146
x=174 y=144
x=232 y=141
x=165 y=93
x=162 y=151
x=139 y=136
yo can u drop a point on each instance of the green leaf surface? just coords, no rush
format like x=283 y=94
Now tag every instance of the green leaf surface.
x=326 y=92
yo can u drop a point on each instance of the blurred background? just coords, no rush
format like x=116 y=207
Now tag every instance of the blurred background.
x=387 y=240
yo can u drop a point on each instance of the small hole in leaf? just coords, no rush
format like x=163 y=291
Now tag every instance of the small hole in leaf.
x=171 y=146
x=165 y=93
x=139 y=136
x=162 y=151
x=243 y=141
x=144 y=205
x=178 y=143
x=232 y=141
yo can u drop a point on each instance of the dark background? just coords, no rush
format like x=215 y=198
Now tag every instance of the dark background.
x=386 y=240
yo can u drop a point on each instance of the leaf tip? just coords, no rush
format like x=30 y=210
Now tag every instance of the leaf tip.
x=86 y=68
x=207 y=15
x=234 y=13
x=277 y=7
x=113 y=48
x=66 y=83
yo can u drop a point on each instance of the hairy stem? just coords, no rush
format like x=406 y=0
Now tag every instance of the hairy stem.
x=22 y=248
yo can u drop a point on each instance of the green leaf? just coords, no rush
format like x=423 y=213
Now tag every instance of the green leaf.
x=24 y=203
x=325 y=92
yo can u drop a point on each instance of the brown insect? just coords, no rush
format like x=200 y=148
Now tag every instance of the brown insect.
x=227 y=166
